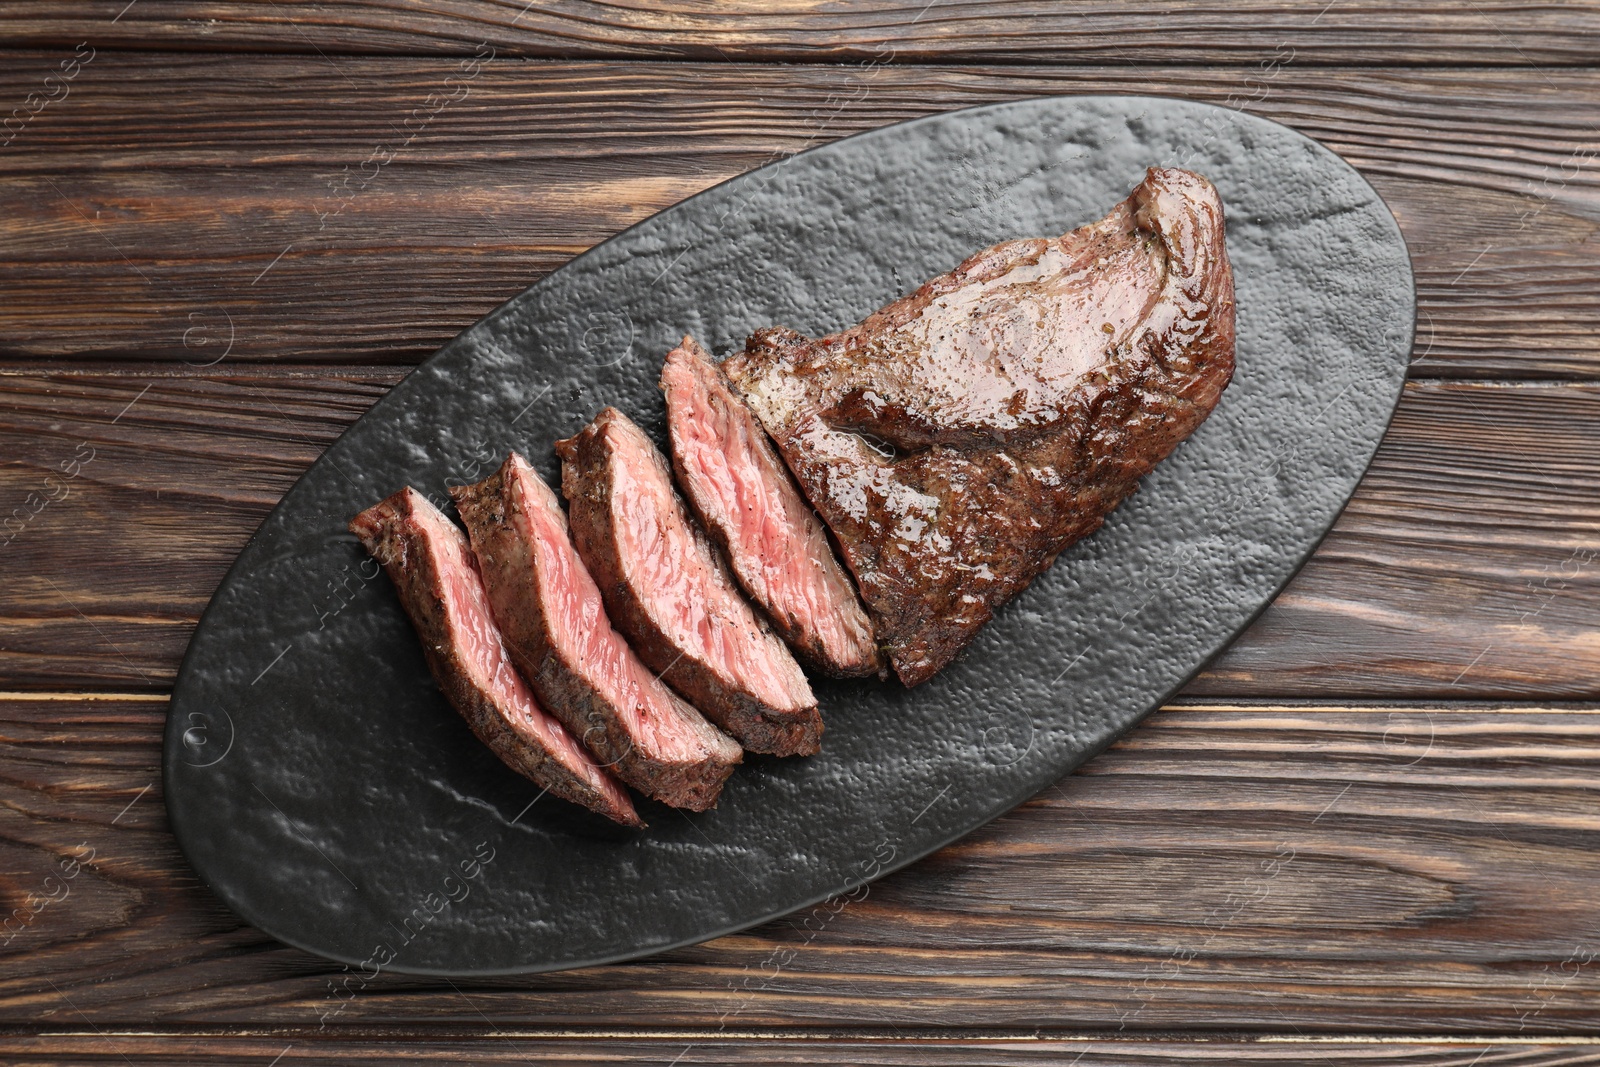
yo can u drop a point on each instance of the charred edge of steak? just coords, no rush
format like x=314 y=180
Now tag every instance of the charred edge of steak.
x=778 y=549
x=1025 y=393
x=432 y=568
x=558 y=634
x=667 y=590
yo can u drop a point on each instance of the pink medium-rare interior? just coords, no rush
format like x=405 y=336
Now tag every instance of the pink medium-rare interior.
x=580 y=628
x=483 y=651
x=686 y=593
x=761 y=511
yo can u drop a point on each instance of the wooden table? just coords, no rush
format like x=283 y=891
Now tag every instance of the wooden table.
x=1369 y=832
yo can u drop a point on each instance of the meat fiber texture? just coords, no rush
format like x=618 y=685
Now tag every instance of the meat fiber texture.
x=960 y=438
x=776 y=546
x=433 y=570
x=556 y=628
x=668 y=591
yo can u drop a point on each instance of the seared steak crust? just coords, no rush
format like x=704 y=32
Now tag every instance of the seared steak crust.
x=667 y=589
x=557 y=631
x=961 y=437
x=776 y=546
x=432 y=568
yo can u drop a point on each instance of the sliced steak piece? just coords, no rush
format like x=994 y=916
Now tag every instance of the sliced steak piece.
x=431 y=565
x=667 y=589
x=556 y=628
x=744 y=495
x=961 y=437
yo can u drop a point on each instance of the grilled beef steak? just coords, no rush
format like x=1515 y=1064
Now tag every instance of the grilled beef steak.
x=667 y=589
x=557 y=631
x=744 y=495
x=961 y=437
x=432 y=568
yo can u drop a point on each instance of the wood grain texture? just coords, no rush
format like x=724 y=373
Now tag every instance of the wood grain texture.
x=169 y=472
x=304 y=209
x=1299 y=869
x=1416 y=31
x=1226 y=873
x=1468 y=561
x=1466 y=566
x=225 y=1049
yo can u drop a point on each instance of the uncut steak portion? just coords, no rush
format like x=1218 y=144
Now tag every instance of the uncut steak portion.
x=961 y=437
x=666 y=588
x=557 y=631
x=745 y=496
x=432 y=568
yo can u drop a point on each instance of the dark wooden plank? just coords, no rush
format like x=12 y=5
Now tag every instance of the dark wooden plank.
x=113 y=535
x=1315 y=869
x=1466 y=565
x=1415 y=31
x=185 y=207
x=699 y=1050
x=1467 y=562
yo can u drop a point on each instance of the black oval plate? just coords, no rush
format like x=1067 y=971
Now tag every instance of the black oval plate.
x=324 y=789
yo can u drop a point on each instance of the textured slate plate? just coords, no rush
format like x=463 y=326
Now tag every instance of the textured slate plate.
x=322 y=787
